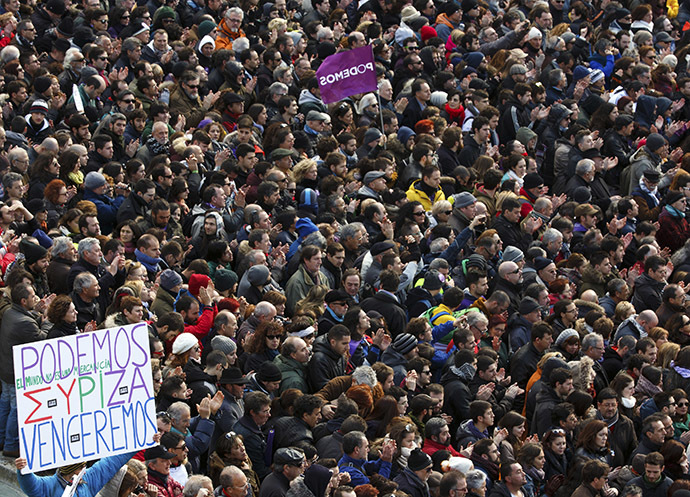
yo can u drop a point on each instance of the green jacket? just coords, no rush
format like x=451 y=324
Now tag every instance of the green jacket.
x=294 y=373
x=298 y=286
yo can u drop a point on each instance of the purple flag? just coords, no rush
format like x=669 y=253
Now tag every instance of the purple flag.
x=347 y=73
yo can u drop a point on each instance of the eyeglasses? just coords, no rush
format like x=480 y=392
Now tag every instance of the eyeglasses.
x=128 y=101
x=274 y=337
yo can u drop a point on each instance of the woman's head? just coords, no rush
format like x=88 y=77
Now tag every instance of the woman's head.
x=62 y=310
x=514 y=423
x=594 y=436
x=268 y=335
x=56 y=192
x=229 y=445
x=554 y=441
x=531 y=455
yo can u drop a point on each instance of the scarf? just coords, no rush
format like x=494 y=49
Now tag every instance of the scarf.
x=150 y=263
x=646 y=387
x=611 y=421
x=491 y=467
x=685 y=373
x=455 y=114
x=674 y=212
x=156 y=148
x=651 y=193
x=76 y=177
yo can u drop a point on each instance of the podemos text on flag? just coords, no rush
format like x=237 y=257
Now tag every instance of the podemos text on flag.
x=347 y=73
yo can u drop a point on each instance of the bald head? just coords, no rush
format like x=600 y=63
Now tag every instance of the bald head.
x=295 y=348
x=506 y=268
x=648 y=319
x=232 y=476
x=590 y=296
x=50 y=145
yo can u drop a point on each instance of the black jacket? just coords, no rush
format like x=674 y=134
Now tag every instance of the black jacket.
x=254 y=443
x=448 y=160
x=547 y=399
x=470 y=152
x=458 y=396
x=133 y=207
x=325 y=364
x=393 y=311
x=647 y=293
x=410 y=483
x=512 y=234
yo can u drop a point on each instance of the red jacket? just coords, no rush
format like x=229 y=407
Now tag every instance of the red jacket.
x=430 y=447
x=203 y=324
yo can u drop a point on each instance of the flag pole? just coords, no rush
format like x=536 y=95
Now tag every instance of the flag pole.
x=385 y=143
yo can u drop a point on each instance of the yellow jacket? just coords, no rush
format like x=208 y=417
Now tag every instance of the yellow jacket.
x=420 y=196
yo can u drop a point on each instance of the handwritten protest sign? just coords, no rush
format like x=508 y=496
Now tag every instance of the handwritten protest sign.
x=84 y=397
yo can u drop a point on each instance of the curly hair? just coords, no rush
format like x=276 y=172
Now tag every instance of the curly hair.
x=257 y=344
x=52 y=191
x=58 y=308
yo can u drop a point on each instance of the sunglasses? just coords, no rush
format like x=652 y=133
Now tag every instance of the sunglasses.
x=419 y=213
x=447 y=213
x=274 y=337
x=682 y=404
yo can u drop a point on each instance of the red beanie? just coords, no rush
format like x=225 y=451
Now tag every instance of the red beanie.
x=196 y=281
x=427 y=32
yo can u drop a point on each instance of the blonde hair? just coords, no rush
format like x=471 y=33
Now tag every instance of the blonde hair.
x=667 y=353
x=623 y=311
x=441 y=205
x=300 y=169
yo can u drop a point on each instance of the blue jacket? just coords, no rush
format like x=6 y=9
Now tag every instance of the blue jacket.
x=360 y=470
x=198 y=439
x=107 y=209
x=94 y=478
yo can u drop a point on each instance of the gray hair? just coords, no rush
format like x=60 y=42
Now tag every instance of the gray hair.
x=16 y=153
x=439 y=263
x=70 y=56
x=584 y=166
x=234 y=10
x=83 y=281
x=78 y=149
x=177 y=410
x=228 y=476
x=280 y=72
x=475 y=479
x=438 y=245
x=130 y=43
x=240 y=44
x=323 y=33
x=264 y=308
x=351 y=230
x=434 y=426
x=10 y=178
x=196 y=483
x=8 y=54
x=364 y=375
x=61 y=245
x=591 y=340
x=315 y=238
x=475 y=318
x=277 y=87
x=252 y=255
x=551 y=235
x=87 y=244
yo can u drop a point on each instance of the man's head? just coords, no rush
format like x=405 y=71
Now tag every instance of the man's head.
x=233 y=482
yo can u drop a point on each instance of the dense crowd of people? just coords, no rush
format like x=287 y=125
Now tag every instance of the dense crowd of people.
x=471 y=283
